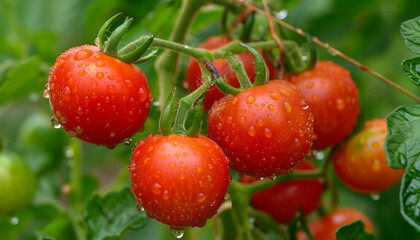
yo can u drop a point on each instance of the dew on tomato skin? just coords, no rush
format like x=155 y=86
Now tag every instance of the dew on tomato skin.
x=127 y=141
x=219 y=126
x=142 y=94
x=267 y=133
x=83 y=54
x=139 y=207
x=55 y=123
x=112 y=134
x=314 y=97
x=78 y=130
x=251 y=130
x=165 y=195
x=242 y=119
x=340 y=104
x=287 y=106
x=201 y=197
x=271 y=107
x=82 y=72
x=157 y=188
x=275 y=95
x=66 y=93
x=250 y=99
x=100 y=75
x=80 y=65
x=71 y=134
x=128 y=82
x=111 y=88
x=46 y=93
x=376 y=165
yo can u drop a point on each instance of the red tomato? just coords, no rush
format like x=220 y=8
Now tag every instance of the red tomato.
x=325 y=228
x=361 y=163
x=180 y=181
x=193 y=72
x=98 y=98
x=265 y=131
x=283 y=200
x=334 y=101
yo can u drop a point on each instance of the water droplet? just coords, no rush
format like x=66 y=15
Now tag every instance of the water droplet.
x=314 y=97
x=14 y=220
x=128 y=83
x=201 y=197
x=46 y=93
x=142 y=94
x=111 y=88
x=99 y=64
x=175 y=143
x=181 y=177
x=287 y=106
x=139 y=207
x=267 y=132
x=112 y=134
x=309 y=85
x=78 y=130
x=186 y=154
x=157 y=189
x=94 y=84
x=340 y=104
x=83 y=54
x=275 y=95
x=250 y=99
x=55 y=123
x=273 y=177
x=66 y=93
x=376 y=165
x=227 y=195
x=282 y=14
x=100 y=75
x=71 y=134
x=177 y=233
x=127 y=141
x=251 y=130
x=375 y=196
x=97 y=42
x=198 y=169
x=271 y=107
x=165 y=195
x=260 y=122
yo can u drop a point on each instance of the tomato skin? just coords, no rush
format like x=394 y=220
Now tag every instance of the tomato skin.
x=180 y=181
x=283 y=200
x=325 y=228
x=265 y=131
x=334 y=100
x=17 y=183
x=193 y=71
x=97 y=98
x=361 y=162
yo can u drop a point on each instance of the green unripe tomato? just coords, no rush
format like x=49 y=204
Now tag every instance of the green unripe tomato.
x=17 y=183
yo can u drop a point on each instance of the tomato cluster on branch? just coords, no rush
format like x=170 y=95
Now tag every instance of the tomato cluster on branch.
x=257 y=125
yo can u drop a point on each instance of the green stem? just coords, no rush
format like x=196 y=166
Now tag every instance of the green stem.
x=75 y=216
x=240 y=201
x=167 y=64
x=185 y=105
x=239 y=69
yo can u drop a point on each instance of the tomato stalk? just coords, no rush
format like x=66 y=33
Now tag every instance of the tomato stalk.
x=240 y=202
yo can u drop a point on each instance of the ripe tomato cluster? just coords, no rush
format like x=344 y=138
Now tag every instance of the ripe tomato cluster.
x=263 y=131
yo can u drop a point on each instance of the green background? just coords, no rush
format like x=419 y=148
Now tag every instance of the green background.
x=34 y=32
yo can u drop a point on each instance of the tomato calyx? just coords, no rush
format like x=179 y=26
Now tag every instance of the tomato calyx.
x=301 y=58
x=174 y=116
x=109 y=38
x=261 y=72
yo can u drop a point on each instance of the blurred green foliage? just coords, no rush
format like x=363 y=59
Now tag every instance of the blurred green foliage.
x=34 y=32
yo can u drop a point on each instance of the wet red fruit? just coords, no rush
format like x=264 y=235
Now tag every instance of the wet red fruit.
x=97 y=98
x=283 y=200
x=180 y=181
x=334 y=100
x=193 y=72
x=361 y=162
x=265 y=131
x=325 y=228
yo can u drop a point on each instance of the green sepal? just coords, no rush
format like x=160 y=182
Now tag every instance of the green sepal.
x=223 y=86
x=195 y=127
x=299 y=222
x=136 y=54
x=149 y=56
x=106 y=31
x=113 y=42
x=167 y=117
x=293 y=57
x=261 y=70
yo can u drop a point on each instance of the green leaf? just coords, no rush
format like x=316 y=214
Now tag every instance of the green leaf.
x=401 y=145
x=23 y=78
x=354 y=231
x=402 y=150
x=59 y=228
x=411 y=68
x=108 y=217
x=410 y=30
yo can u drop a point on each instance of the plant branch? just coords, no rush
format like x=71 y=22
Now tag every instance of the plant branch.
x=333 y=50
